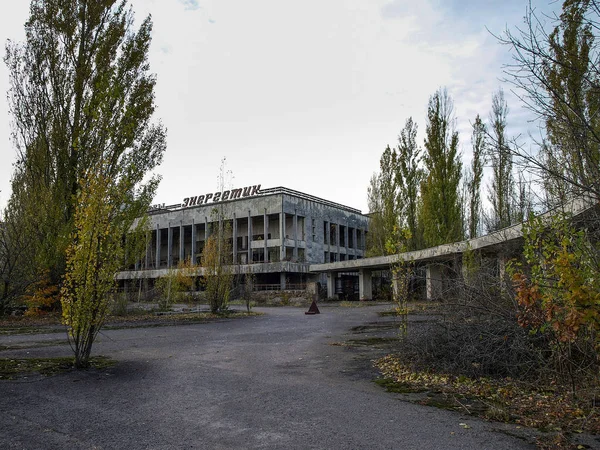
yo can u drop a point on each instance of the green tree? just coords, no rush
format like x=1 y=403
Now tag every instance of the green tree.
x=217 y=256
x=217 y=263
x=574 y=127
x=375 y=245
x=383 y=206
x=16 y=271
x=177 y=282
x=501 y=191
x=478 y=143
x=440 y=213
x=96 y=253
x=408 y=179
x=81 y=96
x=558 y=292
x=557 y=74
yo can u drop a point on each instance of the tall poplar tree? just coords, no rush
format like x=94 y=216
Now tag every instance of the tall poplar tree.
x=502 y=188
x=408 y=178
x=478 y=143
x=440 y=215
x=557 y=75
x=574 y=127
x=81 y=97
x=383 y=206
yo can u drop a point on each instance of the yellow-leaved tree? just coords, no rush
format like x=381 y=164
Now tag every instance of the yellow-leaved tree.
x=97 y=251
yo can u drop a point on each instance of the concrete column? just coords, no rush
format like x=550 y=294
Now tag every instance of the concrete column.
x=502 y=262
x=157 y=247
x=234 y=235
x=354 y=242
x=249 y=238
x=337 y=240
x=331 y=285
x=193 y=256
x=181 y=242
x=148 y=248
x=205 y=229
x=346 y=238
x=266 y=233
x=137 y=264
x=434 y=281
x=295 y=254
x=169 y=246
x=395 y=286
x=282 y=232
x=282 y=281
x=326 y=237
x=365 y=285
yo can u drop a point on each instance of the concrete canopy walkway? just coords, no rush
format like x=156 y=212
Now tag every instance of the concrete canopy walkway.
x=501 y=245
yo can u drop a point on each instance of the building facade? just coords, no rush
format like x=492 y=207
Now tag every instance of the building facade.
x=274 y=233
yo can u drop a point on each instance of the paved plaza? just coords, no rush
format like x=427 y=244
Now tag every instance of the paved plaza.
x=271 y=381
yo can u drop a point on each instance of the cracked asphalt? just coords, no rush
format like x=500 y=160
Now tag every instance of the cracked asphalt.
x=267 y=382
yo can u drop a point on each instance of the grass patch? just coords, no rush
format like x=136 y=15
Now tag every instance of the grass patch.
x=152 y=320
x=371 y=341
x=39 y=344
x=14 y=368
x=357 y=304
x=373 y=327
x=414 y=308
x=9 y=331
x=548 y=408
x=137 y=319
x=391 y=385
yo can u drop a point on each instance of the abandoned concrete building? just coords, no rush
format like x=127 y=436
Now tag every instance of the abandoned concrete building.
x=276 y=234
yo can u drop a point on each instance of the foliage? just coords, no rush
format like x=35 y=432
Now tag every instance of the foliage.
x=248 y=290
x=217 y=264
x=558 y=291
x=41 y=296
x=556 y=74
x=14 y=268
x=440 y=213
x=11 y=369
x=408 y=179
x=501 y=191
x=402 y=272
x=479 y=145
x=383 y=205
x=96 y=253
x=80 y=95
x=546 y=407
x=178 y=281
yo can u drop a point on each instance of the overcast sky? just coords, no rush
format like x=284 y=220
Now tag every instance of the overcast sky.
x=306 y=94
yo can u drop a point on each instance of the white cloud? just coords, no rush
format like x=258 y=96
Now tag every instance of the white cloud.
x=304 y=94
x=190 y=4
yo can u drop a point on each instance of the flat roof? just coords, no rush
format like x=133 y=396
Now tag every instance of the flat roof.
x=280 y=190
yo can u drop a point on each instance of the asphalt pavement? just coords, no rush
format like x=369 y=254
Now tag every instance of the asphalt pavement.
x=276 y=381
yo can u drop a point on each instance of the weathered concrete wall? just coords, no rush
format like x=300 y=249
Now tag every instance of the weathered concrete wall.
x=316 y=215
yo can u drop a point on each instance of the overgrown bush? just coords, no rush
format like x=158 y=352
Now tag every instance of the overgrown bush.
x=475 y=332
x=558 y=293
x=539 y=321
x=176 y=284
